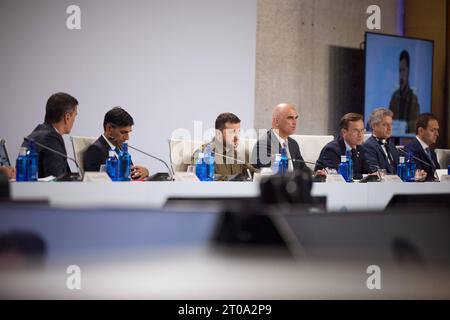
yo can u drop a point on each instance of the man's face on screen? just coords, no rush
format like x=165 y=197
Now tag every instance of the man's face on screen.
x=383 y=130
x=354 y=134
x=118 y=135
x=404 y=74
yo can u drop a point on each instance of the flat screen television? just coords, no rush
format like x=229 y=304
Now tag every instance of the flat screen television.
x=398 y=76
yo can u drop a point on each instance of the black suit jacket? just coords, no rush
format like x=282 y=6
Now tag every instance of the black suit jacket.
x=330 y=157
x=377 y=159
x=269 y=145
x=416 y=148
x=96 y=155
x=50 y=164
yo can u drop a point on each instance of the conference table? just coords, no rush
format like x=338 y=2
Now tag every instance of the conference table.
x=139 y=255
x=340 y=196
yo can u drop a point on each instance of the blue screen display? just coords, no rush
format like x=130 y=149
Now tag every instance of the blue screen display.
x=393 y=82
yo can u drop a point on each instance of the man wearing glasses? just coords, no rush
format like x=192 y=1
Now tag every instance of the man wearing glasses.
x=351 y=138
x=117 y=127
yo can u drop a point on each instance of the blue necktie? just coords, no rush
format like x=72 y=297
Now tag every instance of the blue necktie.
x=428 y=151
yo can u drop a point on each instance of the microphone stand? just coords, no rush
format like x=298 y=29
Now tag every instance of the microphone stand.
x=423 y=162
x=43 y=146
x=171 y=174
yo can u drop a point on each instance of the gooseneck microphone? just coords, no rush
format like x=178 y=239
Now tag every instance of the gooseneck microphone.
x=43 y=146
x=171 y=174
x=229 y=157
x=301 y=161
x=415 y=158
x=433 y=168
x=243 y=162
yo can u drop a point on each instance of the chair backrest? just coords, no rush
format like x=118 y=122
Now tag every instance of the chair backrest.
x=181 y=151
x=245 y=150
x=443 y=157
x=311 y=145
x=80 y=144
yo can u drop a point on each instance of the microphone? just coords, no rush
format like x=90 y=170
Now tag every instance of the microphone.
x=316 y=178
x=302 y=161
x=80 y=171
x=228 y=157
x=247 y=165
x=421 y=161
x=243 y=162
x=171 y=174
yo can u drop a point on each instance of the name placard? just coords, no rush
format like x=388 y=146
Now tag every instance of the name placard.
x=96 y=177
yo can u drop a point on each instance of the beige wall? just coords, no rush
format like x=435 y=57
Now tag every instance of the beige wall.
x=428 y=19
x=294 y=55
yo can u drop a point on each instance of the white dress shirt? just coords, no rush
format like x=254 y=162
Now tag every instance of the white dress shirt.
x=423 y=144
x=113 y=147
x=285 y=142
x=383 y=147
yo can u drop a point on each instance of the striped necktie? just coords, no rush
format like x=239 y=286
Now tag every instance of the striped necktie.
x=428 y=151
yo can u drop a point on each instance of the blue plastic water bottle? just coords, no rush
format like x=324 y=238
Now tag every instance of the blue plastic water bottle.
x=410 y=168
x=348 y=154
x=33 y=162
x=276 y=163
x=200 y=167
x=112 y=166
x=401 y=169
x=21 y=165
x=284 y=162
x=343 y=168
x=209 y=162
x=124 y=164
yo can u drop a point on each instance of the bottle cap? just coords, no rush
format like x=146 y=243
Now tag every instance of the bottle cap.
x=402 y=159
x=22 y=151
x=343 y=158
x=112 y=153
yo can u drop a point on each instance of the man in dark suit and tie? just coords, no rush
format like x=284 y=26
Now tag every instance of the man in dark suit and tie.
x=350 y=139
x=380 y=150
x=427 y=132
x=117 y=126
x=60 y=114
x=284 y=123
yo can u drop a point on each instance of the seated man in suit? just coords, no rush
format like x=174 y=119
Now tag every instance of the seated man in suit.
x=380 y=150
x=427 y=132
x=60 y=114
x=117 y=126
x=228 y=161
x=350 y=139
x=284 y=123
